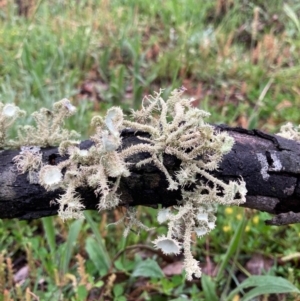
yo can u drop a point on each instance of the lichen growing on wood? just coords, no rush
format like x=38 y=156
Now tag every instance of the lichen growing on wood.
x=49 y=130
x=289 y=131
x=175 y=128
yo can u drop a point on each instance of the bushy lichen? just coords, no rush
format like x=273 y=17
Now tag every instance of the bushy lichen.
x=289 y=131
x=29 y=159
x=49 y=129
x=180 y=130
x=92 y=167
x=175 y=128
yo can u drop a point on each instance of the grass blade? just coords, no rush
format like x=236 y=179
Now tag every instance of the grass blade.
x=50 y=234
x=235 y=241
x=209 y=288
x=70 y=244
x=273 y=289
x=96 y=256
x=264 y=285
x=292 y=15
x=99 y=239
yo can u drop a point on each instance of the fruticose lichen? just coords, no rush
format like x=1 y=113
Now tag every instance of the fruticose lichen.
x=92 y=167
x=29 y=159
x=289 y=131
x=49 y=129
x=175 y=128
x=8 y=115
x=47 y=132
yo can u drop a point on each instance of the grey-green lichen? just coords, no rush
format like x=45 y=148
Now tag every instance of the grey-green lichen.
x=9 y=113
x=289 y=131
x=175 y=128
x=49 y=129
x=180 y=130
x=92 y=167
x=29 y=159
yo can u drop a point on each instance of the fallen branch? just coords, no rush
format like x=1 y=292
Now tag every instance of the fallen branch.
x=270 y=166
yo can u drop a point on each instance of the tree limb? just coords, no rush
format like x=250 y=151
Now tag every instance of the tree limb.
x=269 y=164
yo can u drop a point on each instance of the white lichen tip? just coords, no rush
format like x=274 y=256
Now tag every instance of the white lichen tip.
x=83 y=152
x=110 y=142
x=202 y=216
x=48 y=129
x=211 y=225
x=192 y=269
x=9 y=113
x=163 y=215
x=227 y=143
x=66 y=146
x=167 y=245
x=201 y=231
x=113 y=120
x=66 y=105
x=289 y=131
x=50 y=177
x=10 y=110
x=240 y=187
x=70 y=207
x=69 y=106
x=29 y=159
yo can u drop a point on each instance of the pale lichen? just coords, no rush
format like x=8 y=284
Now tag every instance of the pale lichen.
x=175 y=128
x=264 y=166
x=276 y=164
x=130 y=220
x=50 y=177
x=9 y=113
x=29 y=159
x=168 y=245
x=99 y=167
x=178 y=129
x=289 y=131
x=49 y=129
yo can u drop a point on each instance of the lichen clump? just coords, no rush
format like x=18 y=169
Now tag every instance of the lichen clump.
x=289 y=131
x=9 y=113
x=180 y=130
x=92 y=167
x=49 y=129
x=175 y=128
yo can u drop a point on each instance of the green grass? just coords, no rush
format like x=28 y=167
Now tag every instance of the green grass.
x=241 y=68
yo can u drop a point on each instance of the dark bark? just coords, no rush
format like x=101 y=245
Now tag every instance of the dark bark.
x=269 y=164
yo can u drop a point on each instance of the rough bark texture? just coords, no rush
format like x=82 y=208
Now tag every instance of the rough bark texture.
x=269 y=164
